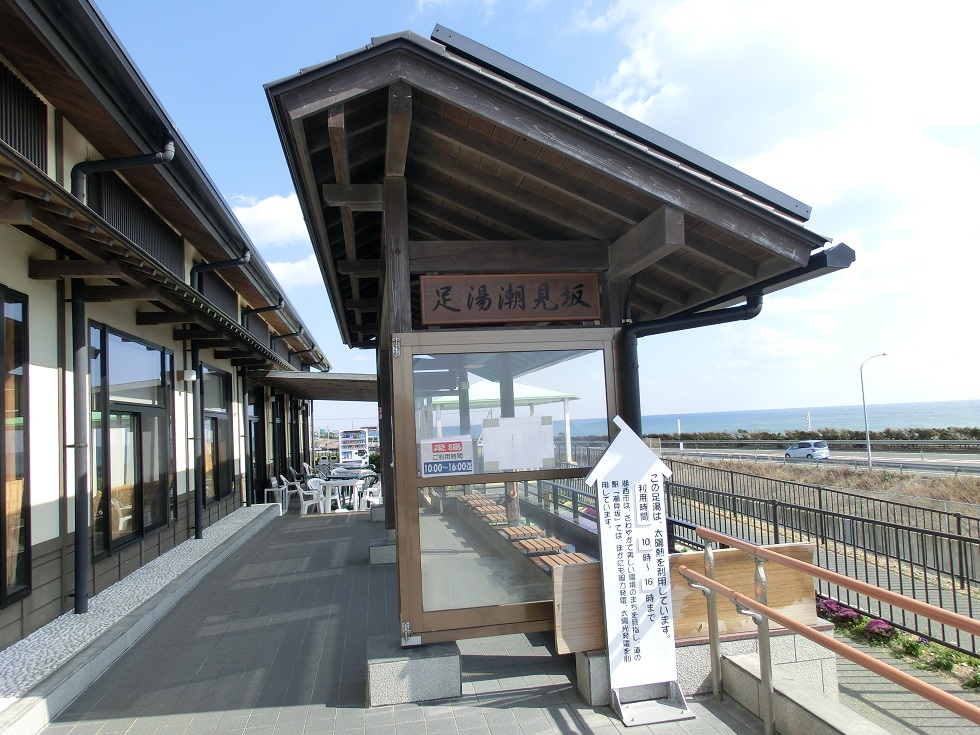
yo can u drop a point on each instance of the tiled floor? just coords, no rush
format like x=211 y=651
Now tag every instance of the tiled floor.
x=273 y=641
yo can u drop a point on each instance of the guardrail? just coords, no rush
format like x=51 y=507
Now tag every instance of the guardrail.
x=761 y=614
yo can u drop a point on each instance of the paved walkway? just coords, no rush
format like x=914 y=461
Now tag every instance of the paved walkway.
x=273 y=641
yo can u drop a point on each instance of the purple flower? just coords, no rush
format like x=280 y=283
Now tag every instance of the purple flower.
x=847 y=616
x=878 y=630
x=827 y=609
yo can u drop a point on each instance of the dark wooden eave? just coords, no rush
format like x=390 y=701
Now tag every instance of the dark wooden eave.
x=501 y=177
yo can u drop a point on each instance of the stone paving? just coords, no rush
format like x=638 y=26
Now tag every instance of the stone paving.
x=273 y=641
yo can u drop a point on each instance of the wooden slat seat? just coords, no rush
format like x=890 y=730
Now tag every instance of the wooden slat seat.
x=482 y=510
x=536 y=546
x=550 y=561
x=518 y=533
x=493 y=518
x=473 y=500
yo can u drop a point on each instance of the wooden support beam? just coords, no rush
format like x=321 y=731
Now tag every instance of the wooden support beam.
x=663 y=291
x=17 y=212
x=399 y=128
x=120 y=293
x=181 y=334
x=251 y=362
x=396 y=295
x=478 y=206
x=362 y=305
x=148 y=318
x=366 y=267
x=207 y=343
x=655 y=237
x=722 y=255
x=14 y=174
x=359 y=197
x=508 y=256
x=51 y=269
x=234 y=355
x=694 y=277
x=537 y=205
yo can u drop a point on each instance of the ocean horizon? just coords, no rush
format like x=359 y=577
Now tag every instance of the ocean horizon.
x=922 y=415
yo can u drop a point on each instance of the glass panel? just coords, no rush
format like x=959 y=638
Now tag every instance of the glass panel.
x=98 y=457
x=215 y=389
x=210 y=458
x=155 y=475
x=123 y=472
x=494 y=412
x=135 y=372
x=15 y=445
x=468 y=558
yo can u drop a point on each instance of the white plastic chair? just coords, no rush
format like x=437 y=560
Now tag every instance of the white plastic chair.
x=292 y=488
x=311 y=495
x=371 y=494
x=278 y=493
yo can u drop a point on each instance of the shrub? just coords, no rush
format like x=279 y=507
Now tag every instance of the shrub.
x=878 y=631
x=910 y=645
x=973 y=680
x=944 y=658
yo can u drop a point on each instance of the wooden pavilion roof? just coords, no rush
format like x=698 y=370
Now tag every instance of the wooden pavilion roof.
x=508 y=171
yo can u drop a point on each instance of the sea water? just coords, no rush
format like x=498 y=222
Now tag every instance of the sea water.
x=929 y=415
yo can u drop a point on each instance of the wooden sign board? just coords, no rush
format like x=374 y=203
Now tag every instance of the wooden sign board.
x=499 y=299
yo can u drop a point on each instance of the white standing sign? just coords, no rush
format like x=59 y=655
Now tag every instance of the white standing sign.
x=632 y=520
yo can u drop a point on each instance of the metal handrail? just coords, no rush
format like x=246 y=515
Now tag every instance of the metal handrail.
x=762 y=613
x=955 y=620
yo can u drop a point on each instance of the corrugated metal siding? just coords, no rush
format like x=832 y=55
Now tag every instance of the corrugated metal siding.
x=124 y=210
x=23 y=119
x=219 y=293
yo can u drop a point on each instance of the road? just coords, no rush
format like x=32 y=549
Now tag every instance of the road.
x=922 y=462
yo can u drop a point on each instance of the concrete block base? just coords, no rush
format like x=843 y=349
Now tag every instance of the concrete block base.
x=397 y=675
x=382 y=552
x=377 y=514
x=798 y=705
x=791 y=654
x=592 y=673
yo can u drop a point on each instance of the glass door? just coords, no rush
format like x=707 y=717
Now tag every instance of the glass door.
x=125 y=476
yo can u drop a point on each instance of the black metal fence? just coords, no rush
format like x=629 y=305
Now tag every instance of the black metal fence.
x=927 y=554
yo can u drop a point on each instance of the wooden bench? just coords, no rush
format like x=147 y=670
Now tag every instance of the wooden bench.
x=538 y=546
x=580 y=622
x=549 y=562
x=518 y=533
x=494 y=518
x=482 y=510
x=474 y=500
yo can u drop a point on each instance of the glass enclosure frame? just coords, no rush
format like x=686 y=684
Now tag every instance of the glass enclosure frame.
x=441 y=625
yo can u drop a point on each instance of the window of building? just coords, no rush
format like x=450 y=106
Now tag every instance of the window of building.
x=133 y=489
x=218 y=464
x=13 y=457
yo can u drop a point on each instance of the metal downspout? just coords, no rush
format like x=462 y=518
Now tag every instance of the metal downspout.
x=200 y=268
x=82 y=419
x=80 y=170
x=198 y=443
x=630 y=370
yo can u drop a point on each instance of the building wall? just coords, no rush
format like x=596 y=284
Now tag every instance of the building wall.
x=50 y=421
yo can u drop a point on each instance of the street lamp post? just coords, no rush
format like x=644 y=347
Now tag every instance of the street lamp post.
x=864 y=405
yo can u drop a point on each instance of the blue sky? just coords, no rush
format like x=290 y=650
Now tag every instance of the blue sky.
x=865 y=113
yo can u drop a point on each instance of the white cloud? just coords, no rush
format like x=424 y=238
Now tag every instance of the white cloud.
x=303 y=273
x=274 y=221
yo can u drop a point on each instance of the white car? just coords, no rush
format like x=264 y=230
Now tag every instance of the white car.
x=810 y=449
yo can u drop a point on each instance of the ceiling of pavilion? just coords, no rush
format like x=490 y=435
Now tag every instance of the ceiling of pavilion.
x=507 y=171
